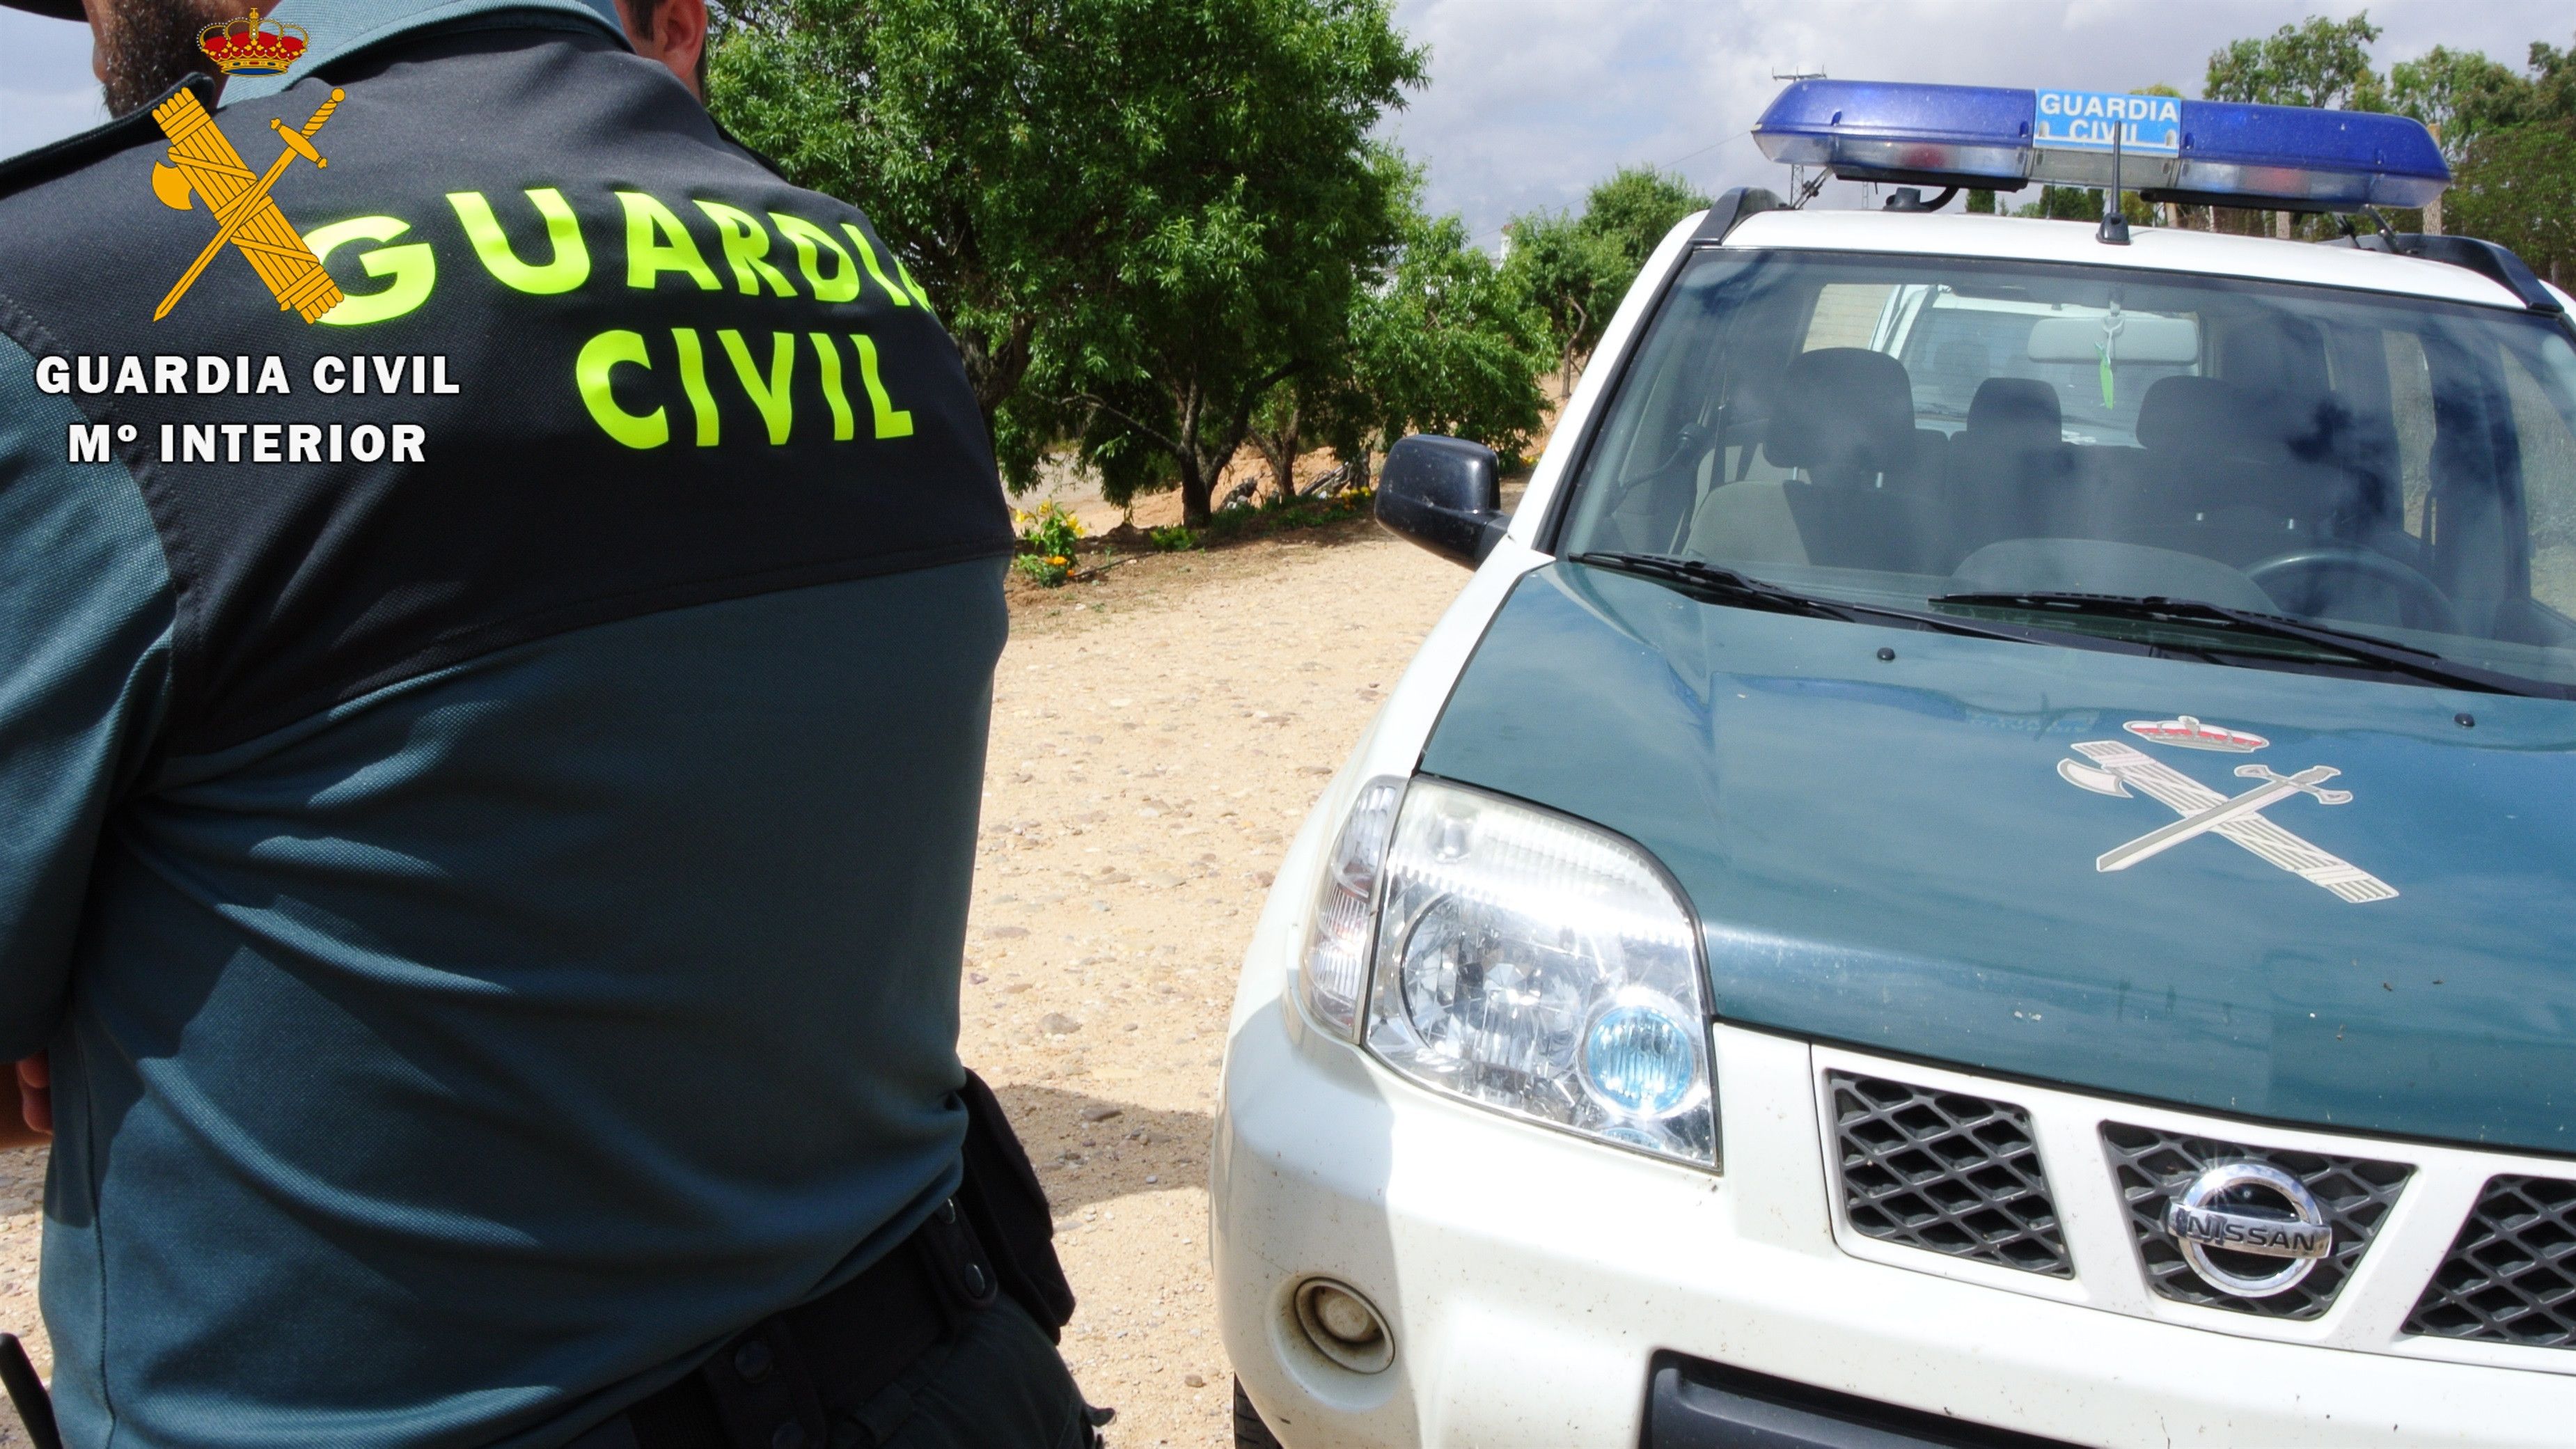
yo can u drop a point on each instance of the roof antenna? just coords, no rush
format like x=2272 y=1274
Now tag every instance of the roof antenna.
x=2115 y=222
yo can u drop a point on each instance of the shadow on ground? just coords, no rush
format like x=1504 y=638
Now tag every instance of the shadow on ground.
x=1092 y=1149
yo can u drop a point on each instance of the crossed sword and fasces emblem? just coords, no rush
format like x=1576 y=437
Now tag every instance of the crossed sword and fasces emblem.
x=2117 y=767
x=203 y=162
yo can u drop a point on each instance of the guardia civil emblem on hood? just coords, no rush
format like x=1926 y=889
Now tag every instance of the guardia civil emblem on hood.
x=2115 y=768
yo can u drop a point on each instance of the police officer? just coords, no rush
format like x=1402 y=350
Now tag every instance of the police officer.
x=490 y=774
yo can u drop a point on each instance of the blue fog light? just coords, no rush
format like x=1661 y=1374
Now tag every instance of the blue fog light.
x=1640 y=1061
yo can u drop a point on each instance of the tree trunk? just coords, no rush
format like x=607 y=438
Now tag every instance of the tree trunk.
x=1280 y=449
x=1197 y=489
x=995 y=365
x=1197 y=486
x=2433 y=216
x=1565 y=363
x=2281 y=225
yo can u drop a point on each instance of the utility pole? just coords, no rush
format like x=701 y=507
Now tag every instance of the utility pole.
x=2433 y=208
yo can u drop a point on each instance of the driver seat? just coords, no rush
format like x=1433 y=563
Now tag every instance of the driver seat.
x=1866 y=497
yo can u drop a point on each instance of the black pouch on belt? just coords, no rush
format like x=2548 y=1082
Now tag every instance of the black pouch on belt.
x=1002 y=1197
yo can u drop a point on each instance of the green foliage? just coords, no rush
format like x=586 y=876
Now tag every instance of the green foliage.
x=1572 y=270
x=1126 y=252
x=2461 y=94
x=1634 y=208
x=2317 y=62
x=1570 y=275
x=2064 y=203
x=2510 y=137
x=1049 y=535
x=2517 y=186
x=1175 y=539
x=1446 y=345
x=1980 y=202
x=970 y=131
x=1245 y=243
x=1439 y=341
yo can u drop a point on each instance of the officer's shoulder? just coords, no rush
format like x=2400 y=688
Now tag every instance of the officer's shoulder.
x=748 y=151
x=31 y=169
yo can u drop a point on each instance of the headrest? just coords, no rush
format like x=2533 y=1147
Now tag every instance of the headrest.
x=2272 y=354
x=2020 y=412
x=2200 y=416
x=1843 y=414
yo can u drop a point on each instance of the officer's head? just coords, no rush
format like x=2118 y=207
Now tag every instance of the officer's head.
x=673 y=32
x=140 y=48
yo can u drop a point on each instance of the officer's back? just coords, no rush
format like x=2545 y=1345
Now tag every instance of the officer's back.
x=494 y=917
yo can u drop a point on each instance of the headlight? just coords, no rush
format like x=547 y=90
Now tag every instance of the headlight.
x=1335 y=969
x=1540 y=967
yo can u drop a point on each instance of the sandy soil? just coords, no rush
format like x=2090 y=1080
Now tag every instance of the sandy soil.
x=1157 y=736
x=1156 y=739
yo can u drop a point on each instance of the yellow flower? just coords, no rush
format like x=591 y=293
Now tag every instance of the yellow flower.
x=1059 y=560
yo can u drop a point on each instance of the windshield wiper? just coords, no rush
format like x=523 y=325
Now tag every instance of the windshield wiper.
x=1719 y=585
x=2359 y=648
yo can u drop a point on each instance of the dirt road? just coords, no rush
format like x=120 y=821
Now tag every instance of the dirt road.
x=1155 y=743
x=1156 y=738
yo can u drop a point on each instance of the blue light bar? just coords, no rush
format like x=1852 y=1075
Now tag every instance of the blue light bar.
x=2287 y=157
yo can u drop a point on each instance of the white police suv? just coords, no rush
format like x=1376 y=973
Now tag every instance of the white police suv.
x=1985 y=860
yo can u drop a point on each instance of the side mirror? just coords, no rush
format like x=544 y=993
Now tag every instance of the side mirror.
x=1445 y=494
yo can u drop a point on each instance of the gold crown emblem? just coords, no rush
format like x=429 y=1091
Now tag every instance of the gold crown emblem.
x=246 y=47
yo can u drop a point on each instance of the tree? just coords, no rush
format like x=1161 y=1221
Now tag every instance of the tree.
x=2319 y=63
x=1634 y=208
x=1447 y=346
x=1443 y=342
x=2517 y=187
x=2459 y=95
x=1242 y=245
x=962 y=129
x=1573 y=279
x=1574 y=269
x=1116 y=204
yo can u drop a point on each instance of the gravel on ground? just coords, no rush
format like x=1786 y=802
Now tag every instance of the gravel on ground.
x=1157 y=736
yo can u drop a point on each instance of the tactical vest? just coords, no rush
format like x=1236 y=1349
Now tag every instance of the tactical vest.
x=592 y=361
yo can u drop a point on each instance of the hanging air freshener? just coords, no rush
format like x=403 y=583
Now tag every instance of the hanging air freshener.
x=2112 y=324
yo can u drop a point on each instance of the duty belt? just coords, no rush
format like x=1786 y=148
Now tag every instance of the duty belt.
x=809 y=1377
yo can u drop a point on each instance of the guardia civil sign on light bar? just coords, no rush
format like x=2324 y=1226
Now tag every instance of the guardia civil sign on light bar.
x=2089 y=120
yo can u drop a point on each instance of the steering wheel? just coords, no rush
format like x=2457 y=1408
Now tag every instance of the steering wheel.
x=2296 y=580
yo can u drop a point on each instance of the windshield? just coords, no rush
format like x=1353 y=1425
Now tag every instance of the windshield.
x=1890 y=430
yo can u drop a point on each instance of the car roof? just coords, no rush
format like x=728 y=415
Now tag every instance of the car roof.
x=2163 y=249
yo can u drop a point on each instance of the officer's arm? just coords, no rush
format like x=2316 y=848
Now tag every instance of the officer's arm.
x=85 y=614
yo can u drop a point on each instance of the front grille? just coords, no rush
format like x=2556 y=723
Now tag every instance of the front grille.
x=2510 y=1276
x=1945 y=1171
x=2153 y=1167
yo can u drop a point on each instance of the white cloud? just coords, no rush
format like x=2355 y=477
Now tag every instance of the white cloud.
x=1532 y=101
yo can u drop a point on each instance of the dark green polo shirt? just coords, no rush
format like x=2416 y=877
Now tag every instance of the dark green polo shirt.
x=495 y=917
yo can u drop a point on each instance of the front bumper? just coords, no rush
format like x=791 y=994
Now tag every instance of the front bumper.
x=1531 y=1279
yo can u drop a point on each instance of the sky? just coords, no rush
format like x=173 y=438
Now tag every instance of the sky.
x=1532 y=101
